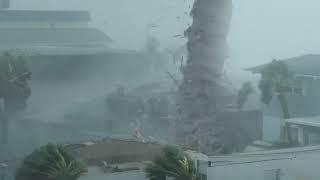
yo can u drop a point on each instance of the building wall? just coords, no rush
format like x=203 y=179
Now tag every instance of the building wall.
x=305 y=135
x=290 y=165
x=300 y=105
x=43 y=24
x=272 y=127
x=117 y=151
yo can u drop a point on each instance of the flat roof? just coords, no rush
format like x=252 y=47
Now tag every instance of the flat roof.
x=71 y=51
x=305 y=65
x=305 y=121
x=49 y=36
x=261 y=156
x=41 y=15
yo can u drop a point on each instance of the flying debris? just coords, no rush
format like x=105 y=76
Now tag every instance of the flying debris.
x=105 y=164
x=174 y=79
x=138 y=135
x=178 y=35
x=181 y=64
x=3 y=165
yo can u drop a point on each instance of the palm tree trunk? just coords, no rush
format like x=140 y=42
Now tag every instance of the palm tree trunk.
x=285 y=113
x=197 y=124
x=284 y=105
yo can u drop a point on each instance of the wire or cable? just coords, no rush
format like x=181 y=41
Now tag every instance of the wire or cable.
x=249 y=162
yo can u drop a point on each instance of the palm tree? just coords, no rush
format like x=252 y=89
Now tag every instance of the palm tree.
x=173 y=163
x=50 y=162
x=276 y=79
x=14 y=88
x=197 y=124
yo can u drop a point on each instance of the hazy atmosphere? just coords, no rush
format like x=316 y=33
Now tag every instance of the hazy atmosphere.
x=260 y=30
x=159 y=89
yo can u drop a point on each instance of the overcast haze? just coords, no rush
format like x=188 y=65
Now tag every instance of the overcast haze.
x=115 y=109
x=261 y=30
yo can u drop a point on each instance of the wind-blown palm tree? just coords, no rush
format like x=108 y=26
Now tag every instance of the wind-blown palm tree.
x=50 y=162
x=14 y=88
x=197 y=124
x=173 y=163
x=276 y=79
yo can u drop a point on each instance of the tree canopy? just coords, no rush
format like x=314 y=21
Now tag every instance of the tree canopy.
x=275 y=78
x=50 y=162
x=14 y=77
x=174 y=163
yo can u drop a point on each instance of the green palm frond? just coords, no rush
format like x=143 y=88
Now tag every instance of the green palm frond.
x=14 y=81
x=50 y=162
x=173 y=162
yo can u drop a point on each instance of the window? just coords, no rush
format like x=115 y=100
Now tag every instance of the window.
x=273 y=174
x=299 y=87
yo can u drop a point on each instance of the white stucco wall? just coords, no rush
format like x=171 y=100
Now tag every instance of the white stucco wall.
x=272 y=128
x=294 y=165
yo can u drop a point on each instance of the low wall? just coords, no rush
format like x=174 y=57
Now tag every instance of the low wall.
x=93 y=153
x=293 y=163
x=116 y=151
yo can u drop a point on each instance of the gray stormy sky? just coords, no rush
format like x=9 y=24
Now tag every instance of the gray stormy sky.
x=261 y=30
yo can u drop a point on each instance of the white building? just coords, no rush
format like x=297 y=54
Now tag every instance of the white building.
x=48 y=32
x=302 y=94
x=285 y=164
x=302 y=91
x=306 y=130
x=43 y=19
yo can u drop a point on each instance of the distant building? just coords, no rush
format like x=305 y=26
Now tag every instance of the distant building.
x=285 y=164
x=50 y=32
x=306 y=130
x=303 y=97
x=54 y=41
x=43 y=19
x=58 y=41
